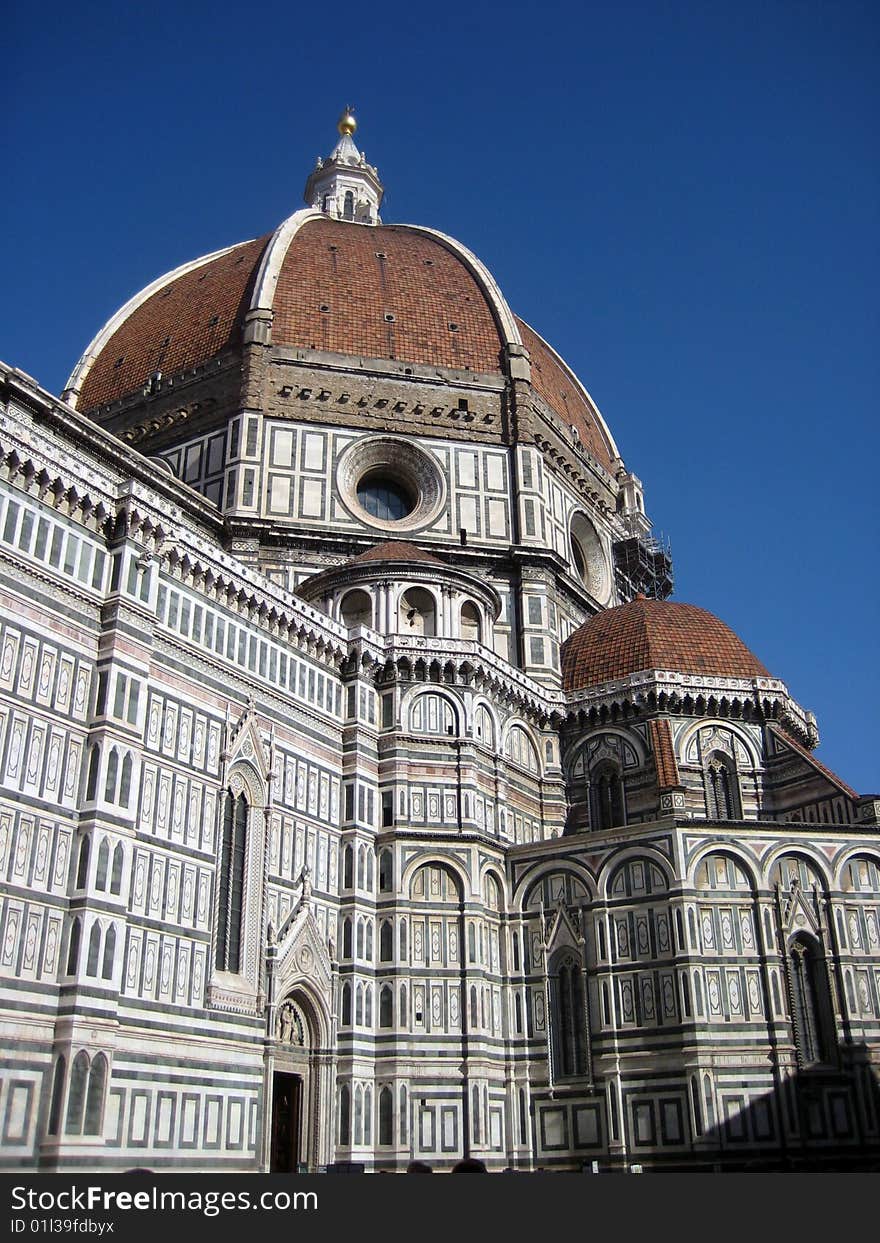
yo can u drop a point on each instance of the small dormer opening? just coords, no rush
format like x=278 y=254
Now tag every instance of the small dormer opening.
x=348 y=206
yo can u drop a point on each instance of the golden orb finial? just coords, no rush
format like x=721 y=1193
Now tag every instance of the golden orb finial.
x=347 y=124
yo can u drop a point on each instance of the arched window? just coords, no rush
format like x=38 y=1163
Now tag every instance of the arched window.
x=346 y=938
x=403 y=941
x=722 y=788
x=348 y=867
x=370 y=857
x=523 y=1117
x=484 y=726
x=607 y=809
x=95 y=1096
x=360 y=938
x=362 y=866
x=368 y=1005
x=470 y=622
x=348 y=206
x=386 y=1117
x=432 y=714
x=402 y=1114
x=386 y=941
x=520 y=748
x=417 y=612
x=73 y=947
x=231 y=888
x=568 y=1017
x=475 y=1111
x=82 y=864
x=92 y=778
x=116 y=873
x=386 y=871
x=94 y=949
x=109 y=954
x=359 y=1006
x=112 y=776
x=344 y=1114
x=385 y=1006
x=103 y=865
x=368 y=949
x=475 y=1014
x=357 y=609
x=125 y=782
x=359 y=1115
x=57 y=1097
x=368 y=1115
x=76 y=1096
x=346 y=1005
x=811 y=1010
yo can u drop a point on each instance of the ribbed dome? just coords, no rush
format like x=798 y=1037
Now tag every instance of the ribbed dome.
x=385 y=292
x=654 y=634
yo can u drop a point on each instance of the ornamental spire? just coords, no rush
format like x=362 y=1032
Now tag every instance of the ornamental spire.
x=344 y=185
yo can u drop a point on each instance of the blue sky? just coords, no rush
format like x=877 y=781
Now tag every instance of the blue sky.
x=683 y=198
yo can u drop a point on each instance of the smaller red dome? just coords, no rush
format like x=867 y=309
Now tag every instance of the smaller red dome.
x=654 y=634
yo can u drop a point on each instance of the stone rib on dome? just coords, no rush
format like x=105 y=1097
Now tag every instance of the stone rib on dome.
x=654 y=634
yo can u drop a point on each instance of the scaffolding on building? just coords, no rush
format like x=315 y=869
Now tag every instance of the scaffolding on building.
x=643 y=564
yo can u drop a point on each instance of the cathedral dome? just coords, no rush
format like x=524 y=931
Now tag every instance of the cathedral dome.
x=346 y=290
x=654 y=634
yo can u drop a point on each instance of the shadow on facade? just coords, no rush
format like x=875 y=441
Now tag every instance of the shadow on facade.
x=823 y=1118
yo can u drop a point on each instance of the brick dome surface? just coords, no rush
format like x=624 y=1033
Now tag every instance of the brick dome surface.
x=390 y=292
x=654 y=634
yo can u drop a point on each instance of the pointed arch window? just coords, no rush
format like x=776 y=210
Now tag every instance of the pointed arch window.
x=568 y=1017
x=116 y=873
x=94 y=1113
x=810 y=1001
x=125 y=781
x=57 y=1097
x=607 y=804
x=386 y=941
x=92 y=778
x=73 y=947
x=231 y=897
x=385 y=1007
x=82 y=865
x=94 y=949
x=109 y=954
x=76 y=1096
x=345 y=1114
x=722 y=788
x=386 y=1117
x=112 y=776
x=103 y=865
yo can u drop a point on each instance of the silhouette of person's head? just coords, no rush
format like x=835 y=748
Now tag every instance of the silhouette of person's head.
x=470 y=1165
x=419 y=1167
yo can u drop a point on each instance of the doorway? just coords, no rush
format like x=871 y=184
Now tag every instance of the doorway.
x=286 y=1112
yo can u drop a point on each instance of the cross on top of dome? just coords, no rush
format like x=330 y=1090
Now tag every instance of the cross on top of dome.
x=344 y=185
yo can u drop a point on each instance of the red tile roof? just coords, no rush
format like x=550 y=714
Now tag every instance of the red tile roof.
x=191 y=320
x=654 y=634
x=363 y=276
x=395 y=550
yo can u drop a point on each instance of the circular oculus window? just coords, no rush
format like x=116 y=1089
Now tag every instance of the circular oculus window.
x=390 y=484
